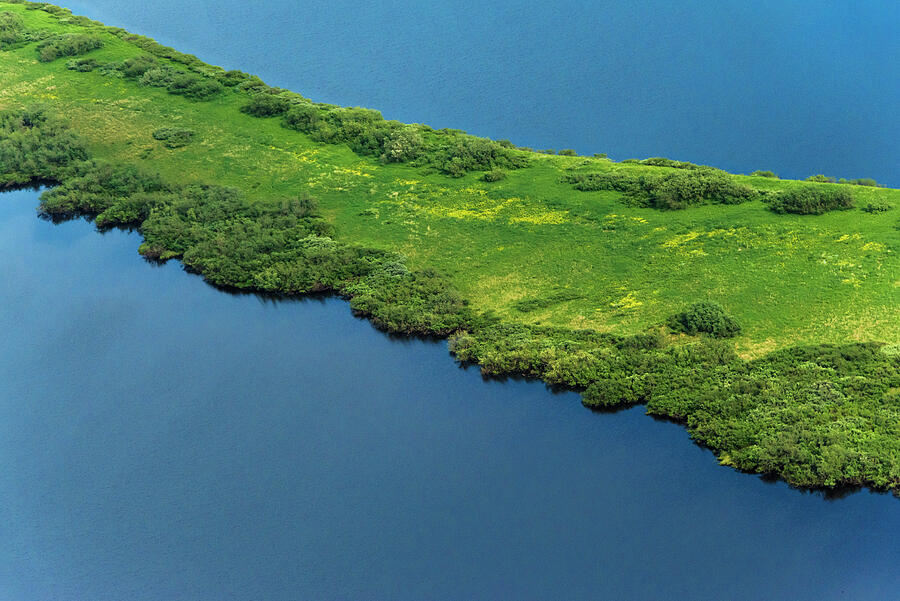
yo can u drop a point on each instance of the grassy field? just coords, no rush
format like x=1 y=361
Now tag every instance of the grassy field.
x=570 y=286
x=588 y=259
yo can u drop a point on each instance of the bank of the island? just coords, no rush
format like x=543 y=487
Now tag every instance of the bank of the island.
x=760 y=312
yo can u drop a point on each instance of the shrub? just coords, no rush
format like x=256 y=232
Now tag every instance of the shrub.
x=34 y=147
x=403 y=145
x=266 y=105
x=70 y=44
x=12 y=30
x=822 y=179
x=705 y=318
x=302 y=117
x=764 y=174
x=173 y=137
x=193 y=86
x=676 y=190
x=467 y=153
x=137 y=66
x=494 y=175
x=877 y=206
x=811 y=200
x=233 y=77
x=664 y=162
x=568 y=152
x=181 y=83
x=82 y=64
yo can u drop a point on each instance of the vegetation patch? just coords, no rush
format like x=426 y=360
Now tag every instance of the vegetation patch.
x=266 y=105
x=174 y=137
x=677 y=190
x=811 y=200
x=705 y=318
x=70 y=44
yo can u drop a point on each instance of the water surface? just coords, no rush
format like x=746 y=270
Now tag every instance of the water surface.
x=160 y=439
x=798 y=87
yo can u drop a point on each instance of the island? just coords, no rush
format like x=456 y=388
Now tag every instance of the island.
x=762 y=313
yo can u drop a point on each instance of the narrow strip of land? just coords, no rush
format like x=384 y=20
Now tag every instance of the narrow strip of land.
x=762 y=312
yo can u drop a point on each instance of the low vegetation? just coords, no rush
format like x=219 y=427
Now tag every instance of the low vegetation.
x=811 y=201
x=705 y=318
x=174 y=137
x=673 y=190
x=70 y=44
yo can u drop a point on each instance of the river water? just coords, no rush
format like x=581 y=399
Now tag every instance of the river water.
x=160 y=439
x=799 y=87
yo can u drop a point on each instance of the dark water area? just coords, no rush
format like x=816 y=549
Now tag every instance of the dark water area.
x=799 y=87
x=161 y=439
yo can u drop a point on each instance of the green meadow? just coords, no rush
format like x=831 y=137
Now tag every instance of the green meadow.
x=546 y=272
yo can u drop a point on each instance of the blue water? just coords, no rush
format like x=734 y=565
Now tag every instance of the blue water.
x=162 y=440
x=798 y=87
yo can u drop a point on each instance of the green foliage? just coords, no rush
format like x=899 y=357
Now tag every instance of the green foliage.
x=462 y=154
x=193 y=86
x=12 y=30
x=411 y=303
x=91 y=187
x=822 y=179
x=811 y=200
x=174 y=137
x=266 y=105
x=364 y=131
x=765 y=174
x=70 y=44
x=664 y=162
x=877 y=206
x=367 y=133
x=137 y=66
x=705 y=318
x=494 y=175
x=568 y=152
x=35 y=147
x=677 y=190
x=403 y=145
x=83 y=65
x=150 y=72
x=863 y=181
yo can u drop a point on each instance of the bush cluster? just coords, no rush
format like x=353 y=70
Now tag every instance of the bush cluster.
x=705 y=318
x=811 y=200
x=877 y=206
x=12 y=30
x=174 y=137
x=765 y=174
x=494 y=175
x=181 y=83
x=664 y=162
x=69 y=44
x=822 y=179
x=84 y=65
x=266 y=105
x=826 y=179
x=676 y=190
x=366 y=132
x=35 y=147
